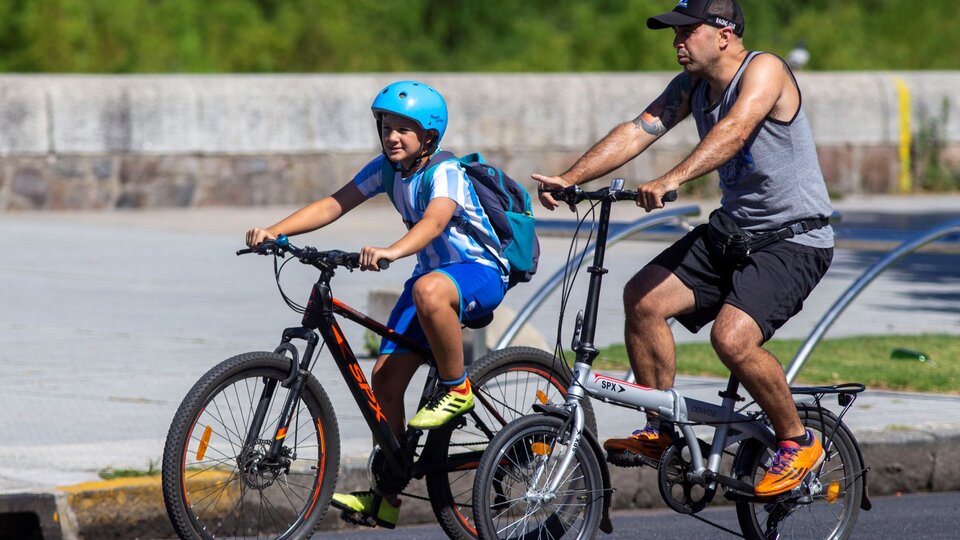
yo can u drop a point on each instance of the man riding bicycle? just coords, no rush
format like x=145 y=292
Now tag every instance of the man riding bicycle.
x=763 y=251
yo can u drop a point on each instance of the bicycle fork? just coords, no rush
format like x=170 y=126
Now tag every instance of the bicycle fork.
x=295 y=382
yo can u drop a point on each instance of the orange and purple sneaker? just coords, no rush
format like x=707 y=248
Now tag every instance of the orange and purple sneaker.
x=790 y=465
x=649 y=443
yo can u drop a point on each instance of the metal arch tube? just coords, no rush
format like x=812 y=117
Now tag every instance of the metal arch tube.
x=541 y=295
x=854 y=290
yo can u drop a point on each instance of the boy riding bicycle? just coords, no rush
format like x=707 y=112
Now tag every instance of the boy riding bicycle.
x=456 y=279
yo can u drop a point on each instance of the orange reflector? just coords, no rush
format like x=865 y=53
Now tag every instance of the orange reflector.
x=833 y=491
x=541 y=397
x=204 y=441
x=540 y=449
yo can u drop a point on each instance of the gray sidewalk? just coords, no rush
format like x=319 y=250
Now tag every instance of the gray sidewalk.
x=108 y=318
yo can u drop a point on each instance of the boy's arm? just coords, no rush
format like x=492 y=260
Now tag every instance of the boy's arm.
x=627 y=140
x=311 y=217
x=435 y=218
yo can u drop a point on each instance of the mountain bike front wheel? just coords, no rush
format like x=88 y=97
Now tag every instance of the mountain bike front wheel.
x=511 y=496
x=507 y=383
x=218 y=479
x=831 y=496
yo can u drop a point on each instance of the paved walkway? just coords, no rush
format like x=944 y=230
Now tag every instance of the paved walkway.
x=108 y=318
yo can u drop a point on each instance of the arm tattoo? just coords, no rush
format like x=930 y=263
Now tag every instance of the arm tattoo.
x=665 y=111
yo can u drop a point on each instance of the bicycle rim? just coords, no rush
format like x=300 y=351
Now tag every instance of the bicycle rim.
x=507 y=384
x=511 y=496
x=217 y=486
x=830 y=505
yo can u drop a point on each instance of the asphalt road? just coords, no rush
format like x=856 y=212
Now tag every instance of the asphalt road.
x=930 y=516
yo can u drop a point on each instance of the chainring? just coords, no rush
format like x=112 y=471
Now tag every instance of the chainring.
x=681 y=494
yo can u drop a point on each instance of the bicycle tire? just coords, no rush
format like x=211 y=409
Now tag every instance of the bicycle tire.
x=507 y=380
x=819 y=517
x=520 y=461
x=213 y=487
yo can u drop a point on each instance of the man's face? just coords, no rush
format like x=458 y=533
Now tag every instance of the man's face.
x=695 y=44
x=402 y=138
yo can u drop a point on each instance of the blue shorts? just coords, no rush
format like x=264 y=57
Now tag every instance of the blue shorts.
x=481 y=290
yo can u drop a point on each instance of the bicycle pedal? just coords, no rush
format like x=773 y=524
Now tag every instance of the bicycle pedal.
x=627 y=459
x=356 y=518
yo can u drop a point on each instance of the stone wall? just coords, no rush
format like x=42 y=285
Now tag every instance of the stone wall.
x=96 y=142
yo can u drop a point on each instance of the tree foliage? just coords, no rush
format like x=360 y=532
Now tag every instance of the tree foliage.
x=167 y=36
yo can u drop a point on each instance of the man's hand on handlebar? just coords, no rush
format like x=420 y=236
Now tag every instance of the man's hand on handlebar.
x=549 y=182
x=654 y=194
x=256 y=236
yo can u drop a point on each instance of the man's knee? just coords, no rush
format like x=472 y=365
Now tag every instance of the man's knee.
x=640 y=294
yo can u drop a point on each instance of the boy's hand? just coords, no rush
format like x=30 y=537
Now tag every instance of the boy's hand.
x=370 y=256
x=256 y=236
x=550 y=182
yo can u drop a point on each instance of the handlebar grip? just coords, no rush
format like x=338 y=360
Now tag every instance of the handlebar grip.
x=383 y=264
x=245 y=251
x=669 y=196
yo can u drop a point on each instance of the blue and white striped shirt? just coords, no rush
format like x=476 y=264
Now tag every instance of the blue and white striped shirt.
x=453 y=245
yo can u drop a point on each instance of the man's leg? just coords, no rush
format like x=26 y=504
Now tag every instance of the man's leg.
x=737 y=339
x=651 y=297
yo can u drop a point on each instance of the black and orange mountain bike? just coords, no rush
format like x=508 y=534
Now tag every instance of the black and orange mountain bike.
x=254 y=449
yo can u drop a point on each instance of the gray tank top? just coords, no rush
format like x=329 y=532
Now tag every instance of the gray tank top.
x=775 y=178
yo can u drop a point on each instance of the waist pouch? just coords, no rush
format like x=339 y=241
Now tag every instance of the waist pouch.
x=731 y=244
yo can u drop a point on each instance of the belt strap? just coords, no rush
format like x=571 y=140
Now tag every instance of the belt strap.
x=803 y=226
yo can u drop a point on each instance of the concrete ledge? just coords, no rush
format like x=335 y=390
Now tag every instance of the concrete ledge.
x=899 y=461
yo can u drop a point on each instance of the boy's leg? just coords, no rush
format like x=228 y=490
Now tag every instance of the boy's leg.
x=442 y=298
x=438 y=308
x=391 y=376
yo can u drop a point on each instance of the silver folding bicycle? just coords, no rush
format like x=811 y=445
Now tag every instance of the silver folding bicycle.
x=544 y=475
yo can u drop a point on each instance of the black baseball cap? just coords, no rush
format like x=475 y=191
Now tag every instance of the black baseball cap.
x=719 y=13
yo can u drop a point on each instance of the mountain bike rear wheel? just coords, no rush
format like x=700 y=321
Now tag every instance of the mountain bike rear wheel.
x=831 y=500
x=217 y=480
x=507 y=384
x=510 y=493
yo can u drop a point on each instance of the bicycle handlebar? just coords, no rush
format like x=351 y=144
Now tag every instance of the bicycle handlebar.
x=575 y=194
x=309 y=255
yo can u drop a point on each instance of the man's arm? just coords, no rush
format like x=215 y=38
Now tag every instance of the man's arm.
x=627 y=140
x=630 y=139
x=761 y=87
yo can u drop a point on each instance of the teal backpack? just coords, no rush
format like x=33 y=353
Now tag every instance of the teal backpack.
x=506 y=203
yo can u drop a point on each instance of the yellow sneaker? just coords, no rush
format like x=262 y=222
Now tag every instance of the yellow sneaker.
x=443 y=407
x=790 y=465
x=649 y=443
x=366 y=508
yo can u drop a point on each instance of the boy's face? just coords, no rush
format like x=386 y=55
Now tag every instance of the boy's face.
x=402 y=139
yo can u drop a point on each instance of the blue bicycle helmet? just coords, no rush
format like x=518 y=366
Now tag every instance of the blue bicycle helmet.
x=416 y=101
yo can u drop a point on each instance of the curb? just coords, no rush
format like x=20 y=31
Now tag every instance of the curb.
x=906 y=461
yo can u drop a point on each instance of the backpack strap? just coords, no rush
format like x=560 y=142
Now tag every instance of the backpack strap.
x=388 y=173
x=478 y=235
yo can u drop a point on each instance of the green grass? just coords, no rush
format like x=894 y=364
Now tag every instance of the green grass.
x=111 y=474
x=853 y=359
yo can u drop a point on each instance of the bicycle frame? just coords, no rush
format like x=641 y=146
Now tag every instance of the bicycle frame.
x=731 y=426
x=320 y=314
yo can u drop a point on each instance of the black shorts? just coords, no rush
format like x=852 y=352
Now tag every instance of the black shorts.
x=770 y=285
